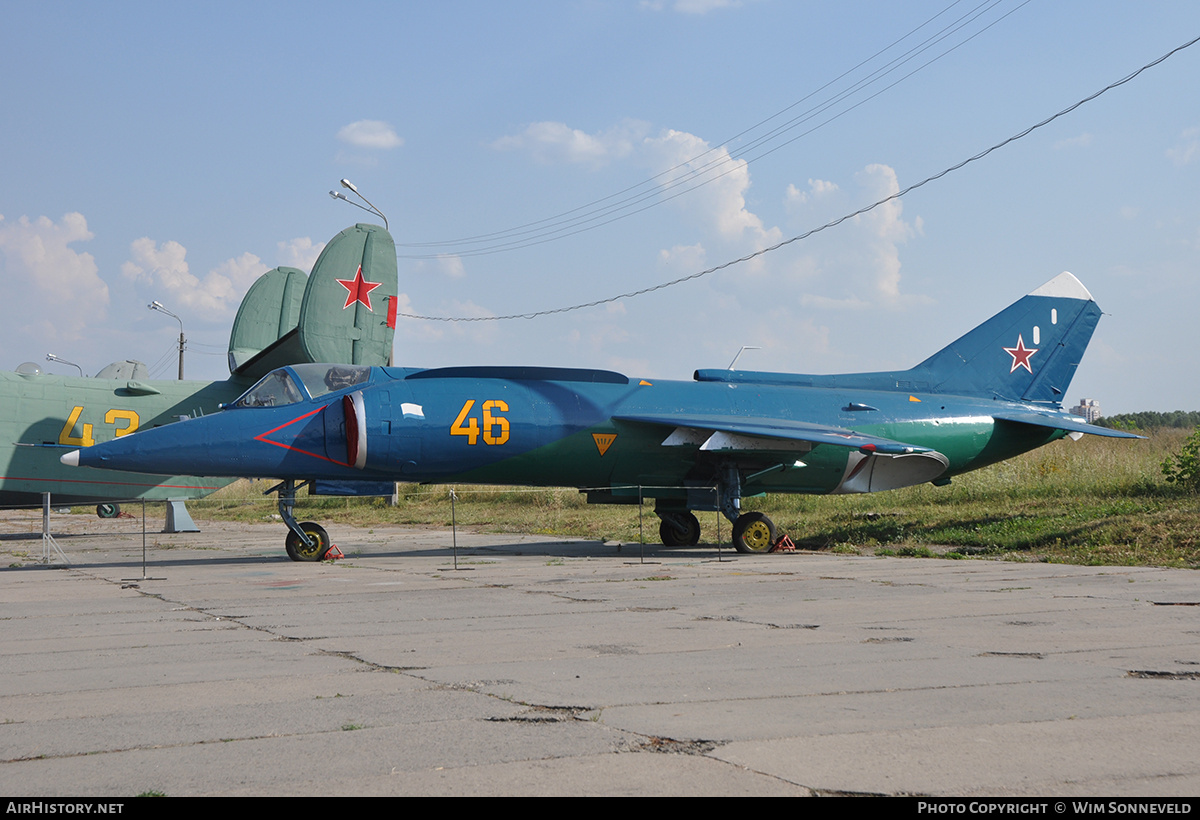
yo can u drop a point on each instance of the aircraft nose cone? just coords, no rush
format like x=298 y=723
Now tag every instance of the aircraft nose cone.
x=71 y=459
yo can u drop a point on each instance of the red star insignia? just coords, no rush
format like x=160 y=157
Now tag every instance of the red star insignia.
x=1020 y=355
x=359 y=290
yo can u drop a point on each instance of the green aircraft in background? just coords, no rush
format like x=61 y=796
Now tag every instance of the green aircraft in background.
x=343 y=312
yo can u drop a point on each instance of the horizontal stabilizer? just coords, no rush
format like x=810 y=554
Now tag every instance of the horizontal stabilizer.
x=1072 y=424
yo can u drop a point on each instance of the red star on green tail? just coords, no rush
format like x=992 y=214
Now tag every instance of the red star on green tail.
x=359 y=290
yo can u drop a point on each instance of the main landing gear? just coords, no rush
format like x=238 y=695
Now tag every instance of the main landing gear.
x=752 y=531
x=679 y=528
x=306 y=541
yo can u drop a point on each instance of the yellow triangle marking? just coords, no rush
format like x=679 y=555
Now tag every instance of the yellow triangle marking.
x=913 y=398
x=603 y=441
x=644 y=383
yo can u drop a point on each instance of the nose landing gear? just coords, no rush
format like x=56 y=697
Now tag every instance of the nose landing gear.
x=307 y=541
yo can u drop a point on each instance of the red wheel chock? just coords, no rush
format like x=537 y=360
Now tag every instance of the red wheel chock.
x=783 y=544
x=333 y=553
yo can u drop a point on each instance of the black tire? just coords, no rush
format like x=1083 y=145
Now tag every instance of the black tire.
x=668 y=529
x=753 y=532
x=108 y=510
x=316 y=533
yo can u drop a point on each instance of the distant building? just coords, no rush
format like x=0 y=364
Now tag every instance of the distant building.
x=1088 y=408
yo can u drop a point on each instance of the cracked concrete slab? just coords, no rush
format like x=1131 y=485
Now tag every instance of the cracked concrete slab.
x=544 y=666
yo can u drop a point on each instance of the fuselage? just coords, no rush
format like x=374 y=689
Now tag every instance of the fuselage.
x=42 y=416
x=565 y=427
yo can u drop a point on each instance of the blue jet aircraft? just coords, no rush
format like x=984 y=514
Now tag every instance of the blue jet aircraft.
x=699 y=445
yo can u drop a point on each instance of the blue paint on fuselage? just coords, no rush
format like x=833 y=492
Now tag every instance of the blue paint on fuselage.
x=308 y=438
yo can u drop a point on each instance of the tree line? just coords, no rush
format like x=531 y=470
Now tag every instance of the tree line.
x=1150 y=419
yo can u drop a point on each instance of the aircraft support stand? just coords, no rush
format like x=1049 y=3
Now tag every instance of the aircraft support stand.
x=454 y=530
x=49 y=545
x=178 y=518
x=144 y=577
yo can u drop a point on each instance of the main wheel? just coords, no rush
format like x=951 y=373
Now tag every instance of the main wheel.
x=108 y=510
x=296 y=549
x=753 y=532
x=671 y=534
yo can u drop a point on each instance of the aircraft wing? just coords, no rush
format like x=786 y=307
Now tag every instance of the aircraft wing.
x=715 y=432
x=874 y=463
x=1068 y=423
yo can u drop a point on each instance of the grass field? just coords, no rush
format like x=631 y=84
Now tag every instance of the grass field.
x=1093 y=501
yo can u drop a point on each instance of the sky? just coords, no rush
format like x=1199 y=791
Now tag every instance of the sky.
x=531 y=156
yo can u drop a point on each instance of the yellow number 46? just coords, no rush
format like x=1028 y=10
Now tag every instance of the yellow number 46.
x=494 y=426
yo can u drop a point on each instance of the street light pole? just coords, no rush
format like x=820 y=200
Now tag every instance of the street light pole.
x=350 y=186
x=50 y=357
x=157 y=305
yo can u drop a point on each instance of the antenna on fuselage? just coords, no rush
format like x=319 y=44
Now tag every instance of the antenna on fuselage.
x=740 y=352
x=348 y=184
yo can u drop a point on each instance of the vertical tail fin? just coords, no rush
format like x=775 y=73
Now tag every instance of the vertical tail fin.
x=1027 y=352
x=340 y=313
x=269 y=311
x=344 y=317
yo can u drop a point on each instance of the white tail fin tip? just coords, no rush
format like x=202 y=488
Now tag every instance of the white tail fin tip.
x=1064 y=286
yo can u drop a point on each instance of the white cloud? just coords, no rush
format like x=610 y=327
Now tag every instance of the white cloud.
x=57 y=288
x=683 y=257
x=241 y=272
x=691 y=6
x=857 y=264
x=1081 y=141
x=817 y=189
x=1188 y=149
x=300 y=253
x=714 y=183
x=451 y=265
x=165 y=267
x=721 y=201
x=370 y=134
x=553 y=142
x=414 y=334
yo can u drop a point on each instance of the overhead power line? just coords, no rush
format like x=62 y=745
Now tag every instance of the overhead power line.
x=833 y=223
x=720 y=160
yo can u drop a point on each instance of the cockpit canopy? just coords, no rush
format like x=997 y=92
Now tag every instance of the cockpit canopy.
x=289 y=385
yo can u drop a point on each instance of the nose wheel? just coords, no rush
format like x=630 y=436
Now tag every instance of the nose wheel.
x=315 y=549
